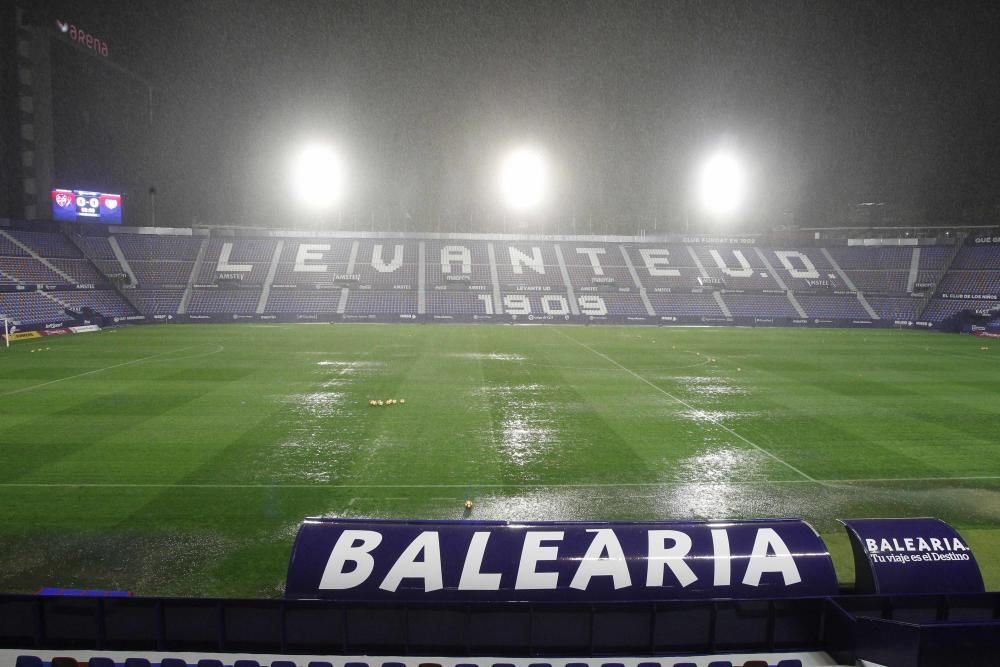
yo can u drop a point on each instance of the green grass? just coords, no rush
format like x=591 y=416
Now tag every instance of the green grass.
x=178 y=460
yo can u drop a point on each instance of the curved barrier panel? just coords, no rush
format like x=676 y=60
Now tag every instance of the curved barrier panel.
x=911 y=556
x=480 y=561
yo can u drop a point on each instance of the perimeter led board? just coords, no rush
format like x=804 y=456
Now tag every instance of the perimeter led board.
x=84 y=206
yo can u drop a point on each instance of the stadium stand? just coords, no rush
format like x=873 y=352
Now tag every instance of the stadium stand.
x=272 y=276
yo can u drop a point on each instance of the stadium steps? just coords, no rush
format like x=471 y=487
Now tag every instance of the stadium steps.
x=911 y=278
x=115 y=285
x=54 y=299
x=122 y=260
x=850 y=284
x=265 y=292
x=638 y=283
x=722 y=304
x=34 y=255
x=929 y=296
x=186 y=299
x=781 y=283
x=10 y=278
x=565 y=276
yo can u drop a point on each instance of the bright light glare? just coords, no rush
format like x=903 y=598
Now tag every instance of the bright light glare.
x=721 y=185
x=524 y=177
x=318 y=177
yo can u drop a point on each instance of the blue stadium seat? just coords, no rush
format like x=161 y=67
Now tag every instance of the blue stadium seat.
x=790 y=662
x=210 y=662
x=136 y=662
x=648 y=664
x=401 y=664
x=457 y=664
x=720 y=663
x=172 y=662
x=320 y=663
x=28 y=661
x=101 y=661
x=755 y=663
x=685 y=664
x=289 y=663
x=540 y=664
x=246 y=662
x=351 y=664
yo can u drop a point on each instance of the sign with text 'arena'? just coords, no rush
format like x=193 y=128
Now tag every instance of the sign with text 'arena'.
x=488 y=561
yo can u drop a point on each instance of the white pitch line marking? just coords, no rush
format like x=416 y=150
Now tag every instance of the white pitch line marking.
x=96 y=370
x=707 y=416
x=598 y=485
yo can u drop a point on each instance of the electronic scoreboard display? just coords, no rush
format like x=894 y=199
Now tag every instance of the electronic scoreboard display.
x=85 y=206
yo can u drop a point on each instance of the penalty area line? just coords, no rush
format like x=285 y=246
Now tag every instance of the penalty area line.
x=707 y=416
x=96 y=370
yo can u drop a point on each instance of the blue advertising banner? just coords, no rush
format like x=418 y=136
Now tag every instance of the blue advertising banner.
x=911 y=556
x=492 y=561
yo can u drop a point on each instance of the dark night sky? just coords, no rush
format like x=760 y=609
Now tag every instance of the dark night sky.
x=830 y=102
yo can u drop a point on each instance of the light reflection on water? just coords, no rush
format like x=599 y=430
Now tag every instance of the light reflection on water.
x=528 y=428
x=709 y=387
x=486 y=356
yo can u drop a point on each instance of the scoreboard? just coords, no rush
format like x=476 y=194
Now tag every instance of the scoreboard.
x=85 y=206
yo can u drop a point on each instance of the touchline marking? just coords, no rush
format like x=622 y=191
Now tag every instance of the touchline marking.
x=707 y=416
x=596 y=485
x=96 y=370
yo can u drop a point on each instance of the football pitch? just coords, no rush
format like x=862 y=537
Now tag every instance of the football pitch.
x=179 y=459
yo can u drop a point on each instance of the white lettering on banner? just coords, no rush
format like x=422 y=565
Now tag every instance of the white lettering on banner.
x=456 y=253
x=914 y=544
x=655 y=259
x=347 y=550
x=307 y=252
x=745 y=270
x=382 y=267
x=720 y=544
x=808 y=272
x=408 y=567
x=596 y=564
x=223 y=263
x=519 y=260
x=592 y=253
x=473 y=578
x=532 y=552
x=673 y=557
x=351 y=561
x=767 y=539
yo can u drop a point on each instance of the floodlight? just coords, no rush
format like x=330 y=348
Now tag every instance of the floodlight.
x=317 y=177
x=721 y=185
x=524 y=179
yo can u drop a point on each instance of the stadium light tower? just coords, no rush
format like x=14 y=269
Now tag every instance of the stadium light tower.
x=722 y=185
x=524 y=179
x=317 y=177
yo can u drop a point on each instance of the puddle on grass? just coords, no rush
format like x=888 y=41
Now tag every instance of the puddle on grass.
x=486 y=356
x=715 y=416
x=709 y=387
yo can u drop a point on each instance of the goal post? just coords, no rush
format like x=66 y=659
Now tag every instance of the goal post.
x=6 y=330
